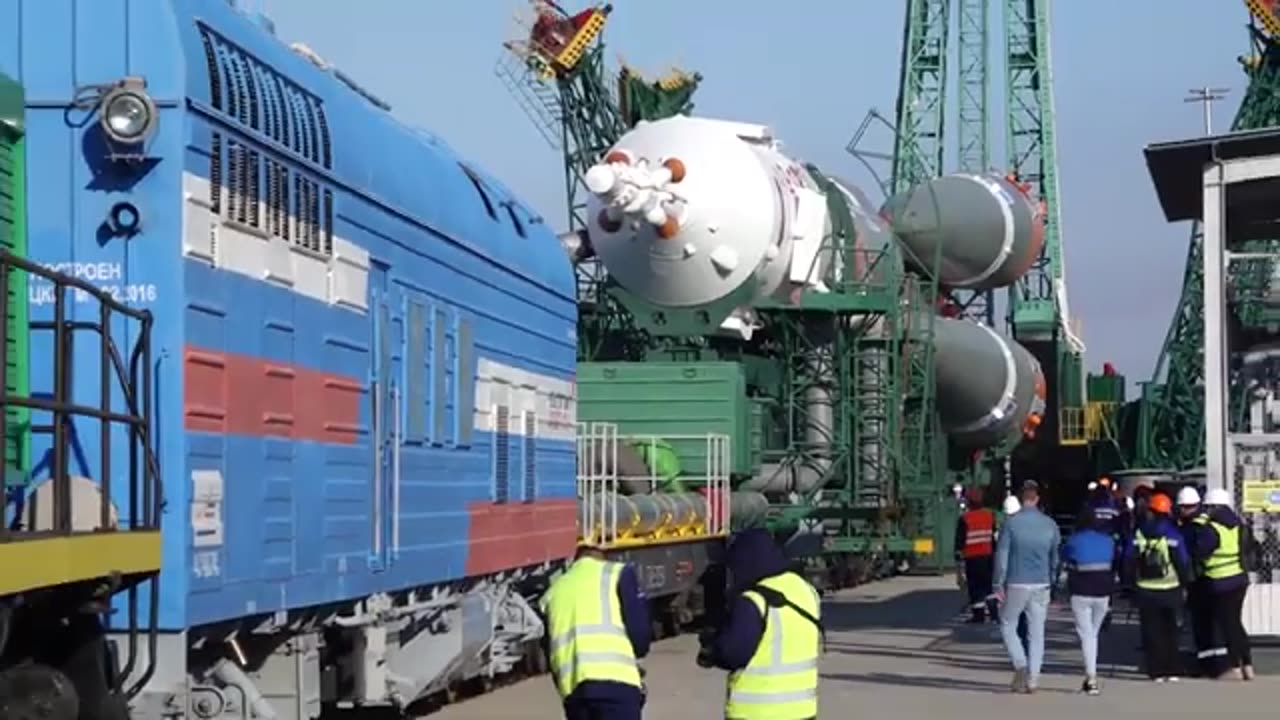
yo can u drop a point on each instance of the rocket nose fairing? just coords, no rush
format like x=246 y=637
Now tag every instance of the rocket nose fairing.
x=687 y=212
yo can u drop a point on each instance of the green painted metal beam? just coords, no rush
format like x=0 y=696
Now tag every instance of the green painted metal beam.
x=973 y=129
x=918 y=155
x=918 y=152
x=13 y=239
x=1031 y=149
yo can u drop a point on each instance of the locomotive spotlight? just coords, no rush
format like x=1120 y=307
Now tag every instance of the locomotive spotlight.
x=128 y=113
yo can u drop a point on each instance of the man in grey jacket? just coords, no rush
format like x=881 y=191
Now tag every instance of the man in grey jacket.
x=1026 y=567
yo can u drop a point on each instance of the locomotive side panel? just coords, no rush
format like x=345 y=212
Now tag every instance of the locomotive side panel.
x=379 y=346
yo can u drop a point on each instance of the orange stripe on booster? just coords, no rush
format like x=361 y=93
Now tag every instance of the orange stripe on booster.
x=243 y=395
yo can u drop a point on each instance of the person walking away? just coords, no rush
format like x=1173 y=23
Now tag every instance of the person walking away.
x=1103 y=506
x=1158 y=563
x=1125 y=522
x=975 y=548
x=1026 y=566
x=598 y=627
x=1011 y=506
x=1107 y=512
x=771 y=637
x=1209 y=651
x=1220 y=551
x=1090 y=557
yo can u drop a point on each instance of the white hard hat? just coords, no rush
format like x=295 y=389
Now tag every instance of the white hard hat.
x=1092 y=486
x=1188 y=496
x=1128 y=503
x=1217 y=496
x=1011 y=505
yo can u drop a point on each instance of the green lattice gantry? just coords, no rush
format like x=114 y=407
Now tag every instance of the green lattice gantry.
x=1171 y=410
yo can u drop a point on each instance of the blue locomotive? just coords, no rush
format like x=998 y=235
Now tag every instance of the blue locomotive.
x=363 y=373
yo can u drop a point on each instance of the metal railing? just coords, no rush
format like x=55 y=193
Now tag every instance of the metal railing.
x=134 y=382
x=1098 y=419
x=1071 y=426
x=618 y=509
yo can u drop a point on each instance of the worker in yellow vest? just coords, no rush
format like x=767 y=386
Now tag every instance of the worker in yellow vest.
x=1219 y=554
x=597 y=629
x=771 y=636
x=1158 y=565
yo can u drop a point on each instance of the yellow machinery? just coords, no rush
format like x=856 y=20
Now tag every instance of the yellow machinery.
x=619 y=509
x=557 y=40
x=1267 y=13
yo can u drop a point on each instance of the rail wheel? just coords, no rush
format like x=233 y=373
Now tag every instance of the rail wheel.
x=37 y=692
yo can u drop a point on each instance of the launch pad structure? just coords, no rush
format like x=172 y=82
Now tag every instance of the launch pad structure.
x=1229 y=184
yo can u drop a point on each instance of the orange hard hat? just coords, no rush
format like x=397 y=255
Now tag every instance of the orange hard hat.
x=1161 y=503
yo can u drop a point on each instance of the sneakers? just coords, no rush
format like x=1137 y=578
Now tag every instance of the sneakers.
x=1232 y=674
x=1090 y=687
x=1247 y=672
x=1019 y=684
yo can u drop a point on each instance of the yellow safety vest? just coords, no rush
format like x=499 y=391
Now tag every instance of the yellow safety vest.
x=781 y=681
x=584 y=622
x=1161 y=545
x=1224 y=561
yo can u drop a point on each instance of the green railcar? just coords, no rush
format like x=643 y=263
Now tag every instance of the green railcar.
x=13 y=238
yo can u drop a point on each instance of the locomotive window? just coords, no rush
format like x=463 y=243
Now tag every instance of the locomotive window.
x=530 y=447
x=235 y=181
x=479 y=186
x=416 y=373
x=328 y=223
x=466 y=400
x=251 y=89
x=287 y=220
x=440 y=375
x=286 y=117
x=211 y=64
x=253 y=189
x=277 y=213
x=515 y=220
x=215 y=173
x=501 y=454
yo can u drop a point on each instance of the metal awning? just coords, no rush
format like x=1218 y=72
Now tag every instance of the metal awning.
x=1177 y=170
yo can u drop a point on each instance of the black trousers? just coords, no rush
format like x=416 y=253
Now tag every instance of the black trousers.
x=1158 y=620
x=1204 y=630
x=601 y=709
x=1227 y=609
x=978 y=573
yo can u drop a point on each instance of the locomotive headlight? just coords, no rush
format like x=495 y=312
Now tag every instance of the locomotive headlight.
x=128 y=114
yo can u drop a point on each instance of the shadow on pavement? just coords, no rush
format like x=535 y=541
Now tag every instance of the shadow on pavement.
x=928 y=625
x=922 y=681
x=914 y=610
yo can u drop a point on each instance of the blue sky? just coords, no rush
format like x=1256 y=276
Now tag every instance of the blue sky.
x=812 y=69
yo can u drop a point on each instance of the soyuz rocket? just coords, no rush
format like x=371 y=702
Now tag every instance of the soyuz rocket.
x=694 y=212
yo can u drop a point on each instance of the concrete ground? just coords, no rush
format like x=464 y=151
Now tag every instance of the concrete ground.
x=899 y=649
